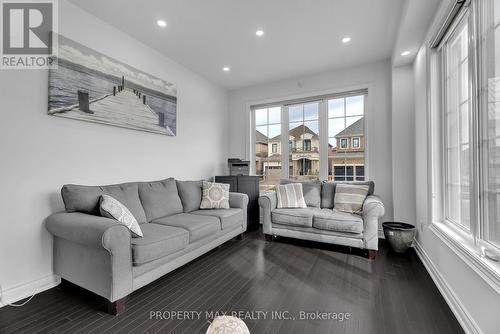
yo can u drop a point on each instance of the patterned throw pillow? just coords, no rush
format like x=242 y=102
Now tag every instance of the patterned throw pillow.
x=215 y=196
x=350 y=197
x=227 y=325
x=290 y=196
x=114 y=209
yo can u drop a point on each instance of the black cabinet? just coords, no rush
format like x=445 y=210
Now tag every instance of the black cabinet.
x=246 y=185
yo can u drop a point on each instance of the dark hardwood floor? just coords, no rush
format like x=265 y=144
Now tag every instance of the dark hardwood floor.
x=392 y=294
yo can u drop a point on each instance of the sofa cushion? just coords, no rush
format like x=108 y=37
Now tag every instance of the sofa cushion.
x=198 y=226
x=158 y=241
x=311 y=190
x=190 y=194
x=334 y=220
x=85 y=199
x=160 y=198
x=229 y=218
x=294 y=217
x=328 y=191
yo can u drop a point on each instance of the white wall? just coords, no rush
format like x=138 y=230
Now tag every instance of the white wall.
x=376 y=77
x=40 y=153
x=475 y=303
x=403 y=143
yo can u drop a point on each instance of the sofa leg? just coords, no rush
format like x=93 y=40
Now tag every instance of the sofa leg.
x=240 y=236
x=269 y=237
x=116 y=307
x=370 y=254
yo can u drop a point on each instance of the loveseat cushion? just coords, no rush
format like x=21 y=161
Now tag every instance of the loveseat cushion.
x=294 y=217
x=229 y=218
x=190 y=194
x=160 y=198
x=158 y=241
x=328 y=191
x=334 y=220
x=310 y=189
x=198 y=226
x=85 y=199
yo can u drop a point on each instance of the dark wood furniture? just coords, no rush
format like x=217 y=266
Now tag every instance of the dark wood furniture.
x=246 y=185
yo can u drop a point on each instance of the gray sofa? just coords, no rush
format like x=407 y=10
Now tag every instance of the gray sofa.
x=321 y=222
x=99 y=254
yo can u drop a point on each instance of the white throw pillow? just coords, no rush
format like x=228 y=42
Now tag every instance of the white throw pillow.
x=350 y=197
x=114 y=209
x=215 y=196
x=290 y=196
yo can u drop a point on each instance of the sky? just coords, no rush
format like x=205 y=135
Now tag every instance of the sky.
x=82 y=55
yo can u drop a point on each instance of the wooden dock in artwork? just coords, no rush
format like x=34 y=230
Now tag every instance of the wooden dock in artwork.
x=124 y=108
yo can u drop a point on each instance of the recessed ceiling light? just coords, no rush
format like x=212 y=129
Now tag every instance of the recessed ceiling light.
x=161 y=23
x=226 y=69
x=259 y=33
x=405 y=53
x=346 y=39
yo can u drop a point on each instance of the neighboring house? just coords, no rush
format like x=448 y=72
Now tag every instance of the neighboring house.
x=261 y=152
x=346 y=161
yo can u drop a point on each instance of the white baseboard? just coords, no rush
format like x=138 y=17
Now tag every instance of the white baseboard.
x=464 y=318
x=17 y=293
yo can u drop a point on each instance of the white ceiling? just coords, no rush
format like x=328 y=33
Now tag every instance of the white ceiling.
x=301 y=36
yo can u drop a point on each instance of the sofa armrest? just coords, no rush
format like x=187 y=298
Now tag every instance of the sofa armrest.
x=89 y=230
x=267 y=203
x=92 y=252
x=238 y=200
x=373 y=210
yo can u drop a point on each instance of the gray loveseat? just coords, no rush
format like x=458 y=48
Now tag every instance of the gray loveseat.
x=100 y=255
x=321 y=222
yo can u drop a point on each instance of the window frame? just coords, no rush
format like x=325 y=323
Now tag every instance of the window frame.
x=465 y=244
x=346 y=146
x=322 y=98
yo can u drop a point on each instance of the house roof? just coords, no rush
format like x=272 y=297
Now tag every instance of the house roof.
x=297 y=132
x=356 y=128
x=260 y=138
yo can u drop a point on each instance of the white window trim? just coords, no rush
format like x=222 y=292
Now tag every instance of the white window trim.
x=323 y=118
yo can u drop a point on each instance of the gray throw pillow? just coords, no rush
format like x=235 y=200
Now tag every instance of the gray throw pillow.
x=350 y=197
x=290 y=196
x=112 y=208
x=215 y=196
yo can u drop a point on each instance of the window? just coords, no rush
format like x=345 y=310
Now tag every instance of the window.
x=288 y=142
x=345 y=120
x=343 y=143
x=456 y=86
x=267 y=132
x=489 y=119
x=466 y=130
x=355 y=142
x=307 y=145
x=303 y=125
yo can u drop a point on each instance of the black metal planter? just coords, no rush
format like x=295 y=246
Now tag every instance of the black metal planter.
x=399 y=235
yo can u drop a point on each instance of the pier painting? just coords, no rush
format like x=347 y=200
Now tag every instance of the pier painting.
x=90 y=86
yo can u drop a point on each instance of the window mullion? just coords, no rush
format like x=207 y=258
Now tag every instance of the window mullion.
x=285 y=152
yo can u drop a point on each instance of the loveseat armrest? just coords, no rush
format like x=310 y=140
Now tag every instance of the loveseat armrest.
x=373 y=210
x=240 y=201
x=89 y=230
x=267 y=203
